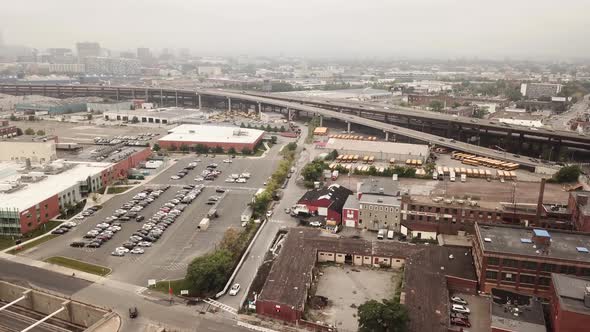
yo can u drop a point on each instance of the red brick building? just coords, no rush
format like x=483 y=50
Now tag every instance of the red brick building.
x=523 y=259
x=7 y=130
x=579 y=205
x=570 y=303
x=327 y=202
x=211 y=137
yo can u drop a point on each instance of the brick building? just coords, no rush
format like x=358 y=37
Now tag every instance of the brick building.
x=522 y=259
x=570 y=303
x=212 y=137
x=426 y=289
x=7 y=130
x=326 y=202
x=579 y=205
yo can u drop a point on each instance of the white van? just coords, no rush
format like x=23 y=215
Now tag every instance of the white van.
x=390 y=234
x=204 y=224
x=381 y=234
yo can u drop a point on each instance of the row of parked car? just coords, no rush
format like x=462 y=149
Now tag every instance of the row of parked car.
x=185 y=170
x=154 y=227
x=106 y=230
x=459 y=312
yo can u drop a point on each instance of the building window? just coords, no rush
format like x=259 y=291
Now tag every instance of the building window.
x=493 y=261
x=544 y=281
x=510 y=262
x=526 y=279
x=529 y=265
x=548 y=267
x=491 y=275
x=568 y=269
x=380 y=208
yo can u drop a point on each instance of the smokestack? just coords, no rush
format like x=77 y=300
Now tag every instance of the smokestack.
x=540 y=202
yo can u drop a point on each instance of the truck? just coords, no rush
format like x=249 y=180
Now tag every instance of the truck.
x=204 y=224
x=463 y=177
x=435 y=175
x=390 y=234
x=452 y=176
x=335 y=175
x=247 y=214
x=381 y=234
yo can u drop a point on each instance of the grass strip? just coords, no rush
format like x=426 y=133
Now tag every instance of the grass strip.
x=79 y=265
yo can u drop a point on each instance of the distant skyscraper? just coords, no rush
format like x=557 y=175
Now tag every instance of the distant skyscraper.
x=87 y=49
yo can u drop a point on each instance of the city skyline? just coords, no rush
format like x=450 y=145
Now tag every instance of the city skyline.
x=457 y=28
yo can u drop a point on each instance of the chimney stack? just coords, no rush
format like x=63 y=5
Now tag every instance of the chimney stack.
x=540 y=202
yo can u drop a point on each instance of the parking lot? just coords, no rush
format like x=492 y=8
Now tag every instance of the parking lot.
x=356 y=285
x=479 y=316
x=181 y=241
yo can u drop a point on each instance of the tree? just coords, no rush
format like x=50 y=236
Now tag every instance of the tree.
x=242 y=125
x=40 y=132
x=230 y=241
x=209 y=273
x=282 y=129
x=184 y=148
x=436 y=105
x=201 y=148
x=156 y=147
x=567 y=174
x=13 y=117
x=31 y=118
x=246 y=151
x=480 y=112
x=29 y=131
x=332 y=155
x=273 y=139
x=134 y=120
x=313 y=171
x=218 y=149
x=89 y=116
x=291 y=146
x=19 y=132
x=232 y=150
x=388 y=316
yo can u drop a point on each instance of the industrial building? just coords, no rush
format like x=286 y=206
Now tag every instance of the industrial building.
x=106 y=107
x=169 y=115
x=52 y=107
x=6 y=130
x=523 y=259
x=579 y=206
x=429 y=275
x=383 y=151
x=538 y=90
x=516 y=312
x=326 y=202
x=570 y=303
x=212 y=136
x=31 y=196
x=34 y=151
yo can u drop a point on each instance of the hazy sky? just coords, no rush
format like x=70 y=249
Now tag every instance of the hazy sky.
x=343 y=28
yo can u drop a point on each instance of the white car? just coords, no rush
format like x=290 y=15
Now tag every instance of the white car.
x=230 y=180
x=199 y=178
x=241 y=180
x=137 y=251
x=175 y=177
x=458 y=300
x=235 y=289
x=268 y=213
x=79 y=217
x=227 y=161
x=123 y=249
x=315 y=224
x=118 y=253
x=460 y=308
x=144 y=244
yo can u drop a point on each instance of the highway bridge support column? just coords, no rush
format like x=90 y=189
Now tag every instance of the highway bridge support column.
x=520 y=142
x=176 y=98
x=229 y=104
x=321 y=120
x=348 y=127
x=161 y=98
x=259 y=108
x=387 y=136
x=200 y=101
x=117 y=94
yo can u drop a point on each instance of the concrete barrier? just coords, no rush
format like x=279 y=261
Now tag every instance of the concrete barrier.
x=75 y=312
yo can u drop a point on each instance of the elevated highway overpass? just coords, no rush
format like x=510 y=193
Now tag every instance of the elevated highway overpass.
x=194 y=98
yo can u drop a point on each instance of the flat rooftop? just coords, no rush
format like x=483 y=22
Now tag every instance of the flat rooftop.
x=419 y=150
x=212 y=134
x=35 y=192
x=518 y=241
x=380 y=199
x=570 y=292
x=516 y=312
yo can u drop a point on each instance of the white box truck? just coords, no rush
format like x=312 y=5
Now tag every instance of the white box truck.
x=381 y=234
x=452 y=176
x=204 y=224
x=390 y=234
x=435 y=175
x=335 y=175
x=463 y=177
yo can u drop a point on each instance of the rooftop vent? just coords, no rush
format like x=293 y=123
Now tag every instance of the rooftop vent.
x=526 y=240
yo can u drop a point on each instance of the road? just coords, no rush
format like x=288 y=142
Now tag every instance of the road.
x=561 y=121
x=279 y=219
x=152 y=310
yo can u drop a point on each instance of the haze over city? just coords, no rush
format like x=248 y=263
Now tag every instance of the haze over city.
x=541 y=29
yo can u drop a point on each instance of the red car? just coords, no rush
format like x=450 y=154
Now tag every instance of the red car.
x=460 y=322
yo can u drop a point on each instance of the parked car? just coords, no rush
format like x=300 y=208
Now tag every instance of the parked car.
x=133 y=312
x=315 y=224
x=460 y=308
x=117 y=253
x=458 y=300
x=137 y=251
x=234 y=290
x=460 y=322
x=77 y=244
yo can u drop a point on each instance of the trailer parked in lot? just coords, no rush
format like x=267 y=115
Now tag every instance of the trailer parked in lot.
x=204 y=224
x=247 y=214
